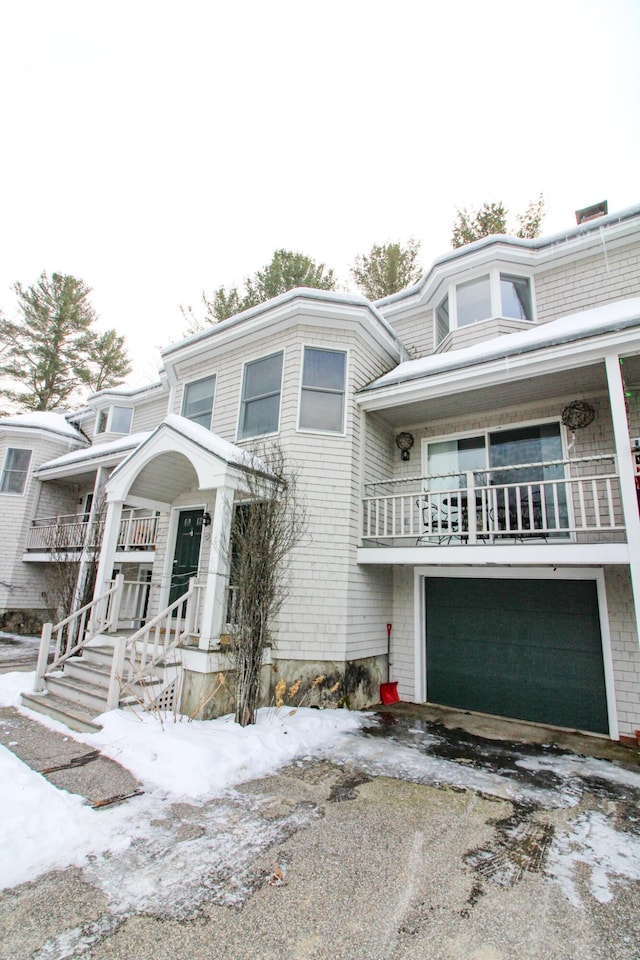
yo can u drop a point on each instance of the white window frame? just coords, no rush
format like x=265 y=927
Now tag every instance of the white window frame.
x=494 y=272
x=248 y=363
x=109 y=420
x=192 y=383
x=5 y=471
x=324 y=349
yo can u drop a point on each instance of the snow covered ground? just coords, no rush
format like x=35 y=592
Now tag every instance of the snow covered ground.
x=184 y=765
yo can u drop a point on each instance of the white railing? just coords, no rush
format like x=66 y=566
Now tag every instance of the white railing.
x=137 y=656
x=73 y=633
x=60 y=534
x=552 y=499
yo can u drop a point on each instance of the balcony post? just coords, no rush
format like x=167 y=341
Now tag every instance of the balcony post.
x=626 y=472
x=472 y=516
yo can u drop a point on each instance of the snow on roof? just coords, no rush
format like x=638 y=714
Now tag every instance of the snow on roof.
x=44 y=420
x=122 y=444
x=576 y=326
x=227 y=451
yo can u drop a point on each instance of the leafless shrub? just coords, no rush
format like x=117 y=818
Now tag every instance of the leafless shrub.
x=265 y=527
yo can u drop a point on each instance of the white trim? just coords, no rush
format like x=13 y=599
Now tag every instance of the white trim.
x=530 y=573
x=325 y=349
x=245 y=364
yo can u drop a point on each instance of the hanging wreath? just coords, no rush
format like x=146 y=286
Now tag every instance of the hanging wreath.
x=578 y=414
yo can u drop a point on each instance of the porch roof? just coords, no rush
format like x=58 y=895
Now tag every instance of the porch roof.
x=610 y=318
x=155 y=470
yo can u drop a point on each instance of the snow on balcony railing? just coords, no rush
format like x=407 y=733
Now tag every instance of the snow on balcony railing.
x=570 y=499
x=68 y=533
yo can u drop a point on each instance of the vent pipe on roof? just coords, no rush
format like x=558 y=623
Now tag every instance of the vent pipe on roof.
x=593 y=212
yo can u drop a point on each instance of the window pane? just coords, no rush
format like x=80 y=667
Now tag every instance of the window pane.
x=101 y=423
x=323 y=368
x=260 y=416
x=16 y=468
x=321 y=411
x=197 y=404
x=453 y=456
x=473 y=301
x=263 y=377
x=121 y=419
x=442 y=320
x=261 y=396
x=516 y=297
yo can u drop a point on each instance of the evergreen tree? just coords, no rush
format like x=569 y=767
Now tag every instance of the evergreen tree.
x=387 y=269
x=285 y=271
x=491 y=218
x=52 y=352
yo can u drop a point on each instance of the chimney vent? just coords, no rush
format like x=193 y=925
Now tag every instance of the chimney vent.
x=591 y=213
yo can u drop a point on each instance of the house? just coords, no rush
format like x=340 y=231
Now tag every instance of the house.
x=467 y=454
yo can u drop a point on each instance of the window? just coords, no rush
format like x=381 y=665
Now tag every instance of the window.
x=473 y=300
x=15 y=470
x=494 y=294
x=114 y=420
x=197 y=402
x=515 y=293
x=261 y=388
x=322 y=393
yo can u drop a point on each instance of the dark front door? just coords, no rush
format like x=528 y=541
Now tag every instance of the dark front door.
x=530 y=649
x=187 y=553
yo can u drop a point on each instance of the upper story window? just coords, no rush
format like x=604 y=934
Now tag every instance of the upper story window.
x=114 y=420
x=322 y=391
x=493 y=294
x=197 y=401
x=15 y=470
x=261 y=390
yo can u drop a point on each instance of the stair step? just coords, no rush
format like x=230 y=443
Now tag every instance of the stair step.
x=93 y=674
x=101 y=656
x=58 y=708
x=82 y=694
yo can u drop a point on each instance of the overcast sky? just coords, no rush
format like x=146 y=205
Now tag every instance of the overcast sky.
x=161 y=149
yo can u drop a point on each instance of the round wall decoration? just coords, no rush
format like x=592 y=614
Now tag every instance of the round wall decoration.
x=578 y=414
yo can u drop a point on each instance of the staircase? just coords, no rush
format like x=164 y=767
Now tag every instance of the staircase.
x=100 y=670
x=80 y=692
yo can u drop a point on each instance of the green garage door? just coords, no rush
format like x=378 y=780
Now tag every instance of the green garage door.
x=529 y=649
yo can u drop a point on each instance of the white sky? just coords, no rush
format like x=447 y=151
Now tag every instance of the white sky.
x=160 y=149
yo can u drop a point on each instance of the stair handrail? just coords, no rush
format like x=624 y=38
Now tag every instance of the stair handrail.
x=125 y=660
x=83 y=625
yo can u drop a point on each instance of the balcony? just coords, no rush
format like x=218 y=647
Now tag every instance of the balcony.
x=63 y=535
x=561 y=501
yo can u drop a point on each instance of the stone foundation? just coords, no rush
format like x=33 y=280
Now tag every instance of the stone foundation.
x=353 y=684
x=24 y=623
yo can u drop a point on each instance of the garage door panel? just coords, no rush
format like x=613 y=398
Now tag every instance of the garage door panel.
x=526 y=649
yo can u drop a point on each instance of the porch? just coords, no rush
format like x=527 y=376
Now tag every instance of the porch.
x=558 y=502
x=71 y=533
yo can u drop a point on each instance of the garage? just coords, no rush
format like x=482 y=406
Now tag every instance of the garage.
x=528 y=649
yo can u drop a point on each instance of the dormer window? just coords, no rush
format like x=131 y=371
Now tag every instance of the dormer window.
x=114 y=420
x=490 y=295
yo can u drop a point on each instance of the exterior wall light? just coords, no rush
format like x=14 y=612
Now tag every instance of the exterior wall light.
x=404 y=442
x=206 y=519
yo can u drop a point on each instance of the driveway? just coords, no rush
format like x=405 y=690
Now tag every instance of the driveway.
x=414 y=838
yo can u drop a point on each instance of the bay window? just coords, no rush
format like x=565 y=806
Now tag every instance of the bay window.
x=493 y=294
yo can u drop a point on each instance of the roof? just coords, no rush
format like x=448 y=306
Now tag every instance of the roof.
x=99 y=450
x=54 y=423
x=619 y=315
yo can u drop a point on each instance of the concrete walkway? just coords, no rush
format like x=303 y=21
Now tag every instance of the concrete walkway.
x=66 y=763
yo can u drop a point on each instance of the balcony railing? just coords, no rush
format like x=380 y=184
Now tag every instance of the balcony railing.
x=62 y=535
x=573 y=500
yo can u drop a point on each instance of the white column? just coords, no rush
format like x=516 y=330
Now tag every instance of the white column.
x=109 y=546
x=626 y=469
x=215 y=597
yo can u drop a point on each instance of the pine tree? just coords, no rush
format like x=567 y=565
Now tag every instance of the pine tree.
x=491 y=218
x=52 y=352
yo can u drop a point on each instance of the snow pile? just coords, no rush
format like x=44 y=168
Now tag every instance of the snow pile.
x=199 y=759
x=42 y=828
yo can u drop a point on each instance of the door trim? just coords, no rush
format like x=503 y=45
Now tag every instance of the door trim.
x=513 y=573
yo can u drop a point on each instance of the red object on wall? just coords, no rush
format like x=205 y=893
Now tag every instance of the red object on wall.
x=389 y=692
